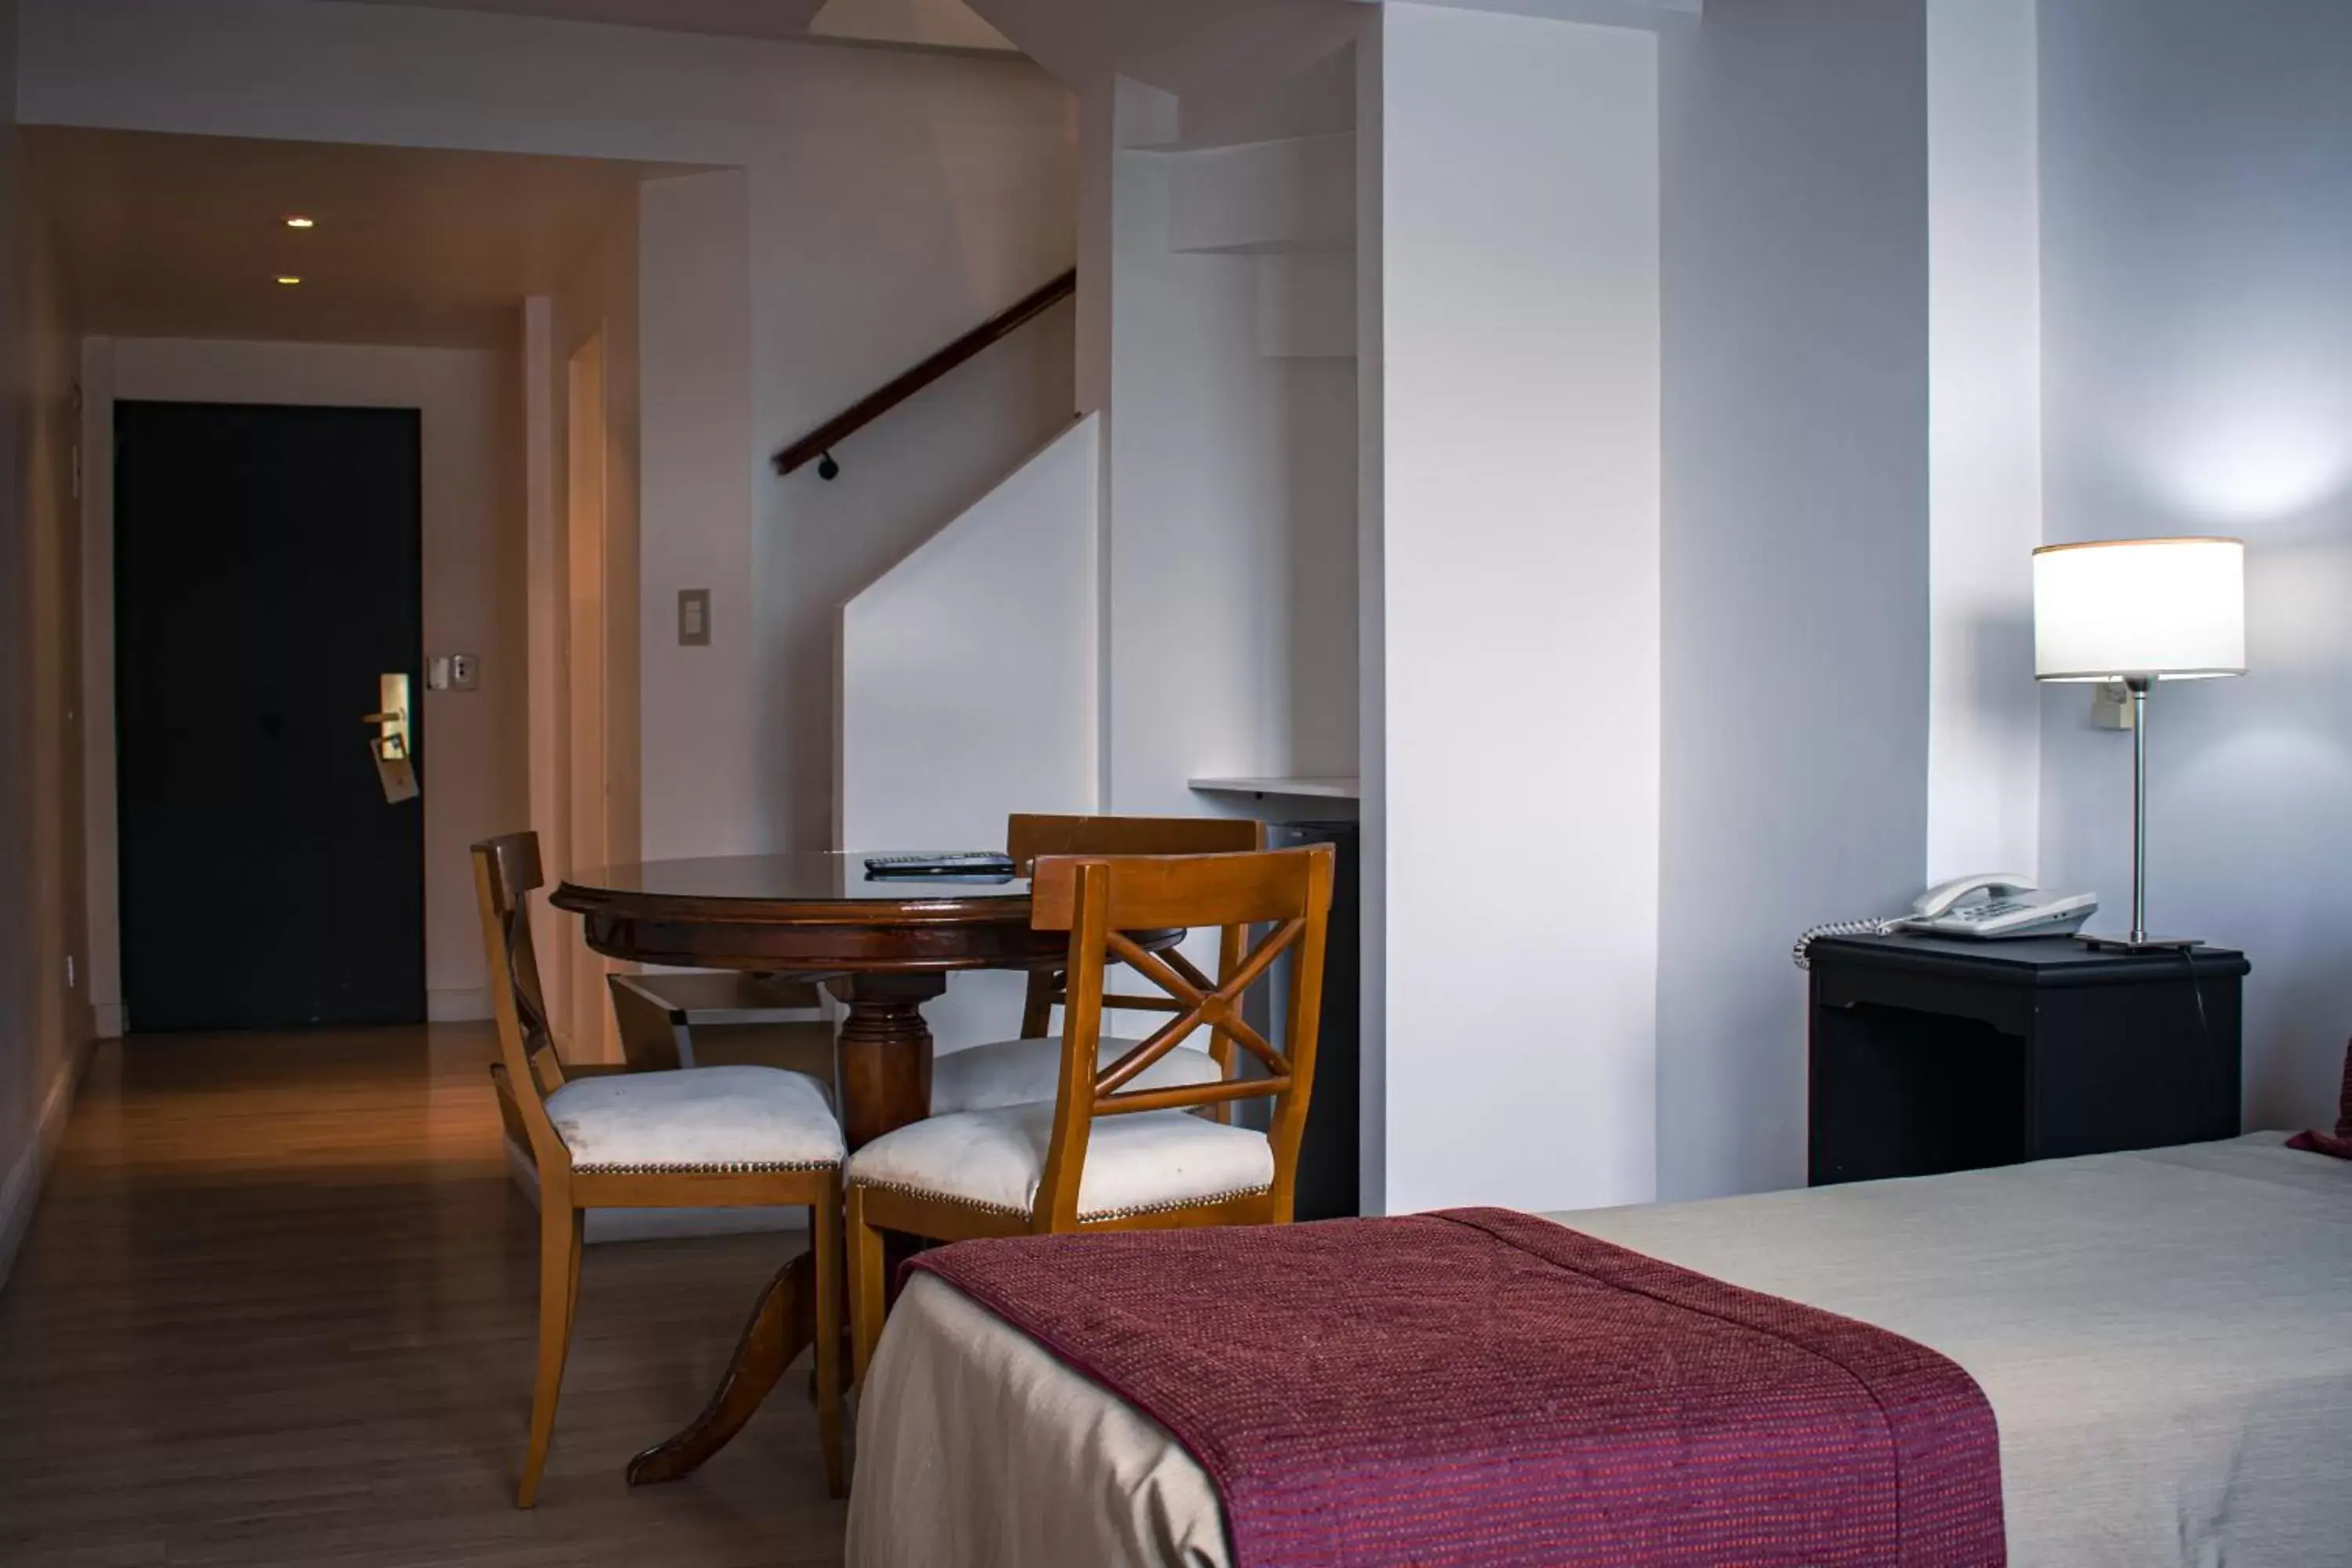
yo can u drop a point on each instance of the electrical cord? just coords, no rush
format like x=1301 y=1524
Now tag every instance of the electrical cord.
x=1802 y=955
x=2204 y=1024
x=2197 y=989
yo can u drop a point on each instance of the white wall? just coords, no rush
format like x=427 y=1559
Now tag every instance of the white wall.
x=470 y=405
x=968 y=671
x=893 y=201
x=22 y=1053
x=911 y=198
x=1518 y=507
x=2196 y=230
x=1371 y=625
x=1984 y=315
x=44 y=1019
x=700 y=718
x=819 y=544
x=1796 y=545
x=931 y=24
x=967 y=691
x=1230 y=548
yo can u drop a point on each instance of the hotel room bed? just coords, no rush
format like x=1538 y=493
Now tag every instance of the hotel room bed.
x=2165 y=1338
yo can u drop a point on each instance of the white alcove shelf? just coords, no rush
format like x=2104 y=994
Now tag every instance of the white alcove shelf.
x=1302 y=788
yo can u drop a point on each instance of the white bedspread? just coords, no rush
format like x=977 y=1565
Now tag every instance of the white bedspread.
x=2166 y=1340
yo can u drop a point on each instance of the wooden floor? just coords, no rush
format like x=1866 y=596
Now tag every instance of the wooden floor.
x=277 y=1307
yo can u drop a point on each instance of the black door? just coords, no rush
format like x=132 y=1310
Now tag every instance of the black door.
x=266 y=572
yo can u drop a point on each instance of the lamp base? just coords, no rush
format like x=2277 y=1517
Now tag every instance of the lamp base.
x=2140 y=944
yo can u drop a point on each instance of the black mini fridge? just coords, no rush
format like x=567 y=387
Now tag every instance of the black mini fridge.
x=1330 y=1155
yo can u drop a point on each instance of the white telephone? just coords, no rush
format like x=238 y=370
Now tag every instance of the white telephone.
x=1996 y=905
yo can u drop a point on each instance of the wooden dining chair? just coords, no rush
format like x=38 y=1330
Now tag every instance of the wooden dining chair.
x=699 y=1018
x=1104 y=1153
x=726 y=1137
x=1025 y=1069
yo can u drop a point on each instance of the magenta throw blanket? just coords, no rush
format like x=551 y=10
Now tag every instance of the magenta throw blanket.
x=2339 y=1145
x=1483 y=1388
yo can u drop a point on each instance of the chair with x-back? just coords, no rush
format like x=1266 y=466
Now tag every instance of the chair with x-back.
x=723 y=1136
x=1105 y=1153
x=1019 y=1071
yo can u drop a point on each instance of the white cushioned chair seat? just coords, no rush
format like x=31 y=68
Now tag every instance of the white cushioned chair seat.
x=1019 y=1072
x=697 y=1117
x=1135 y=1163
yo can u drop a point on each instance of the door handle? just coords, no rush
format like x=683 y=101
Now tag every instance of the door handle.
x=395 y=768
x=391 y=718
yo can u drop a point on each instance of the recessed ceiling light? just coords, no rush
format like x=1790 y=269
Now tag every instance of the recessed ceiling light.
x=300 y=221
x=289 y=282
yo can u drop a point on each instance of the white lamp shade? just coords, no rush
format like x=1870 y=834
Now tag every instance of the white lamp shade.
x=2162 y=609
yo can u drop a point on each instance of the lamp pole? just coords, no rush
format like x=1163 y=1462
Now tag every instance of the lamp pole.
x=2137 y=684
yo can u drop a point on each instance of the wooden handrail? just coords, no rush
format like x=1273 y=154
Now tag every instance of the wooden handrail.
x=819 y=442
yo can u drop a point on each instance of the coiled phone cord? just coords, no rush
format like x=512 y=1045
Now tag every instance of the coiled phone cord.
x=1802 y=955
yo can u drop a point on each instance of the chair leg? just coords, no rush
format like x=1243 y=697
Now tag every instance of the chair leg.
x=866 y=1285
x=825 y=1235
x=560 y=1227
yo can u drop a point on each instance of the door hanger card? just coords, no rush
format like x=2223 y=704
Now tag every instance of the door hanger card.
x=395 y=772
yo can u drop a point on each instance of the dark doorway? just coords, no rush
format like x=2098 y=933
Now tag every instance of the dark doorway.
x=268 y=568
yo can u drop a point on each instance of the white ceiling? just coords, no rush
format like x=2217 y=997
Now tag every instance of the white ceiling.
x=737 y=19
x=1231 y=50
x=1643 y=14
x=185 y=235
x=927 y=23
x=1179 y=45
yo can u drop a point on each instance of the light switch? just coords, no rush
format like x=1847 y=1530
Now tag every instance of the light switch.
x=694 y=618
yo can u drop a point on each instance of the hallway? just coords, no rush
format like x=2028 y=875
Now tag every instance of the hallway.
x=277 y=1307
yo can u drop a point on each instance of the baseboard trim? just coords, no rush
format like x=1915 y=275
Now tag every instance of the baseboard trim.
x=21 y=1192
x=111 y=1020
x=456 y=1006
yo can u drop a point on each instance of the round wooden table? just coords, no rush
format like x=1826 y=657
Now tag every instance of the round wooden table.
x=883 y=948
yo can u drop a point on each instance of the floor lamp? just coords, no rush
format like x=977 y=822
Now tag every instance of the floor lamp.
x=2139 y=611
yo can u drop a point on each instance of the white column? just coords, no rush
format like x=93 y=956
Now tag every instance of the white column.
x=1984 y=735
x=545 y=590
x=1514 y=709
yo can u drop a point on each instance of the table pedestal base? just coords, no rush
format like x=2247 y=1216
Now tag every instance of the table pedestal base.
x=783 y=1325
x=885 y=1082
x=885 y=1052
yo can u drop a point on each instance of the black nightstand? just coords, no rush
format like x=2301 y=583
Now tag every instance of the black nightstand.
x=1933 y=1054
